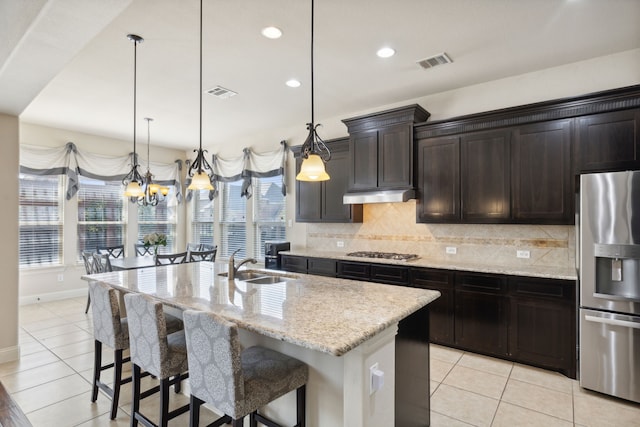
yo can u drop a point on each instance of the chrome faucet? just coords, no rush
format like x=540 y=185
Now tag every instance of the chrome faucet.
x=233 y=268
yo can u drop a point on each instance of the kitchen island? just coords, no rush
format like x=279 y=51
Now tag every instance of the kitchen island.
x=347 y=331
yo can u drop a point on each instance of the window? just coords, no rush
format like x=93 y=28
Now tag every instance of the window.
x=233 y=214
x=101 y=214
x=269 y=212
x=202 y=218
x=161 y=218
x=40 y=220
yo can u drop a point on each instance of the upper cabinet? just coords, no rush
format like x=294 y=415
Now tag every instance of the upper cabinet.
x=381 y=147
x=322 y=201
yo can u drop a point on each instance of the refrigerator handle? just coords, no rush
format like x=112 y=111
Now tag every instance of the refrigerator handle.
x=614 y=322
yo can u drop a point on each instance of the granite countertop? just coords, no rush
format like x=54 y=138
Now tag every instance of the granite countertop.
x=320 y=313
x=524 y=270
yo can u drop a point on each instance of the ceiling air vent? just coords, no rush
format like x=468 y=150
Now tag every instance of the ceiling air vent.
x=221 y=92
x=432 y=61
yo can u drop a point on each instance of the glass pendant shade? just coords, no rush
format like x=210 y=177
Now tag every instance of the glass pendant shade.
x=200 y=181
x=133 y=189
x=312 y=169
x=154 y=188
x=164 y=190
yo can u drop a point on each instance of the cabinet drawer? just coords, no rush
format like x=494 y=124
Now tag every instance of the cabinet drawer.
x=427 y=278
x=321 y=267
x=391 y=274
x=294 y=263
x=542 y=288
x=486 y=283
x=353 y=270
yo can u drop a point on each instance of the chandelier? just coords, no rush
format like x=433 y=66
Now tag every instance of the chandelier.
x=133 y=180
x=314 y=152
x=200 y=170
x=153 y=193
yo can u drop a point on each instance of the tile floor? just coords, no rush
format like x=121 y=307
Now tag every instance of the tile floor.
x=51 y=383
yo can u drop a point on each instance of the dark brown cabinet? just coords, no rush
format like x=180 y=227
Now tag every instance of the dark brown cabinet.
x=322 y=201
x=442 y=310
x=541 y=178
x=321 y=267
x=485 y=176
x=364 y=160
x=353 y=270
x=438 y=180
x=390 y=274
x=481 y=313
x=543 y=322
x=608 y=141
x=296 y=264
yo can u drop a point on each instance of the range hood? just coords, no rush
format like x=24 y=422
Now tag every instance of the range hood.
x=380 y=196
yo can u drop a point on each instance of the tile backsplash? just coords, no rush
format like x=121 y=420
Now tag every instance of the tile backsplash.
x=392 y=227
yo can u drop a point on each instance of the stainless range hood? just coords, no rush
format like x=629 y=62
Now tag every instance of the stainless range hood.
x=380 y=196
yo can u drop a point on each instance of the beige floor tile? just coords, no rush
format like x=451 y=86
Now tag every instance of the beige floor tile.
x=122 y=420
x=47 y=323
x=439 y=369
x=28 y=362
x=75 y=349
x=52 y=392
x=53 y=331
x=487 y=364
x=439 y=420
x=77 y=317
x=74 y=411
x=37 y=376
x=542 y=377
x=509 y=415
x=445 y=354
x=477 y=410
x=31 y=347
x=433 y=386
x=480 y=382
x=595 y=409
x=541 y=399
x=84 y=362
x=66 y=339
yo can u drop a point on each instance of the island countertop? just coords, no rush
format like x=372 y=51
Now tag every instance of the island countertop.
x=319 y=313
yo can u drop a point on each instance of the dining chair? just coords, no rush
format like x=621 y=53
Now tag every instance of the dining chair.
x=196 y=256
x=142 y=250
x=194 y=247
x=102 y=263
x=235 y=381
x=154 y=350
x=112 y=251
x=90 y=268
x=166 y=259
x=208 y=247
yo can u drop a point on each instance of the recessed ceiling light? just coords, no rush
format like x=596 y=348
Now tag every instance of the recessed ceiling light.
x=272 y=32
x=293 y=83
x=386 y=52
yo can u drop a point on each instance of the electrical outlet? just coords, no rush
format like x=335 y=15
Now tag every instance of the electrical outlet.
x=61 y=277
x=340 y=244
x=523 y=254
x=290 y=223
x=376 y=378
x=451 y=250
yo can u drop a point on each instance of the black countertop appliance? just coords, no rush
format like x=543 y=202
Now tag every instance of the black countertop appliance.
x=272 y=249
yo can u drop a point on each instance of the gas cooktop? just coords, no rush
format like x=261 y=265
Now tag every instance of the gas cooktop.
x=384 y=255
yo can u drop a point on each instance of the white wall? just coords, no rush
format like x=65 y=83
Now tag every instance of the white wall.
x=9 y=137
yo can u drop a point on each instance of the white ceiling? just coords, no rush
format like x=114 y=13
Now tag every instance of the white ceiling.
x=92 y=88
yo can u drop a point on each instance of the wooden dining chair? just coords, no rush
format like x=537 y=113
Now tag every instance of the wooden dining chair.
x=196 y=256
x=112 y=251
x=142 y=250
x=166 y=259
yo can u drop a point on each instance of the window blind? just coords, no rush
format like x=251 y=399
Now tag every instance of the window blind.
x=40 y=220
x=233 y=214
x=202 y=218
x=269 y=212
x=161 y=218
x=101 y=214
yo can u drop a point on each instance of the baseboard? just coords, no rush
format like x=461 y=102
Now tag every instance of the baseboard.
x=52 y=296
x=9 y=354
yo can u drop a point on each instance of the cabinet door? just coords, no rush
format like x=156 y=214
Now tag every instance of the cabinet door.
x=294 y=263
x=438 y=180
x=321 y=267
x=441 y=311
x=485 y=180
x=395 y=156
x=308 y=199
x=333 y=209
x=364 y=160
x=541 y=177
x=353 y=270
x=608 y=141
x=390 y=274
x=481 y=313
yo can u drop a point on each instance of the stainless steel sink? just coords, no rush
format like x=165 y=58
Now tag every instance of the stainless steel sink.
x=265 y=280
x=261 y=277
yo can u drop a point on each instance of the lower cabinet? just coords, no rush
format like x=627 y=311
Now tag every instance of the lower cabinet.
x=296 y=264
x=441 y=324
x=321 y=267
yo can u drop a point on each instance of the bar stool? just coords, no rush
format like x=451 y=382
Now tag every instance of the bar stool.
x=237 y=381
x=112 y=330
x=162 y=354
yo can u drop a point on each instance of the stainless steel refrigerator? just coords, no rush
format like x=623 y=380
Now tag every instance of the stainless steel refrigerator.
x=609 y=272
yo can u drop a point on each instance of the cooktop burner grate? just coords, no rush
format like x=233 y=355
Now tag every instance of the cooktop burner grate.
x=383 y=255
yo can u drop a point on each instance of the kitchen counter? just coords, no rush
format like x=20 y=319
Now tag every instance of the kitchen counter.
x=524 y=270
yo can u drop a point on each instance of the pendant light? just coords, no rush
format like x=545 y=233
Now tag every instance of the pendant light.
x=153 y=193
x=200 y=178
x=133 y=180
x=314 y=152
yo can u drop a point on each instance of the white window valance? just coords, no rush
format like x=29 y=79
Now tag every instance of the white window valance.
x=70 y=161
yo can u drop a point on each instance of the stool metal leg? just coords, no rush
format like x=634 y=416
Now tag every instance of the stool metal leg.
x=135 y=403
x=194 y=411
x=117 y=381
x=97 y=365
x=301 y=405
x=164 y=403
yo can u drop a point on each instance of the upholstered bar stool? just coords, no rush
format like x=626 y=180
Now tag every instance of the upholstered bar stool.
x=156 y=351
x=235 y=381
x=112 y=330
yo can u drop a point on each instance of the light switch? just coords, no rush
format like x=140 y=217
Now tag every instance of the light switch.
x=377 y=378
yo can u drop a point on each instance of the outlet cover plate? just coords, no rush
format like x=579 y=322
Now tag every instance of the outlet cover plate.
x=452 y=250
x=523 y=254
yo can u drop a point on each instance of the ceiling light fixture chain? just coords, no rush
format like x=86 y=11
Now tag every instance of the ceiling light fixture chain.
x=200 y=170
x=314 y=151
x=133 y=180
